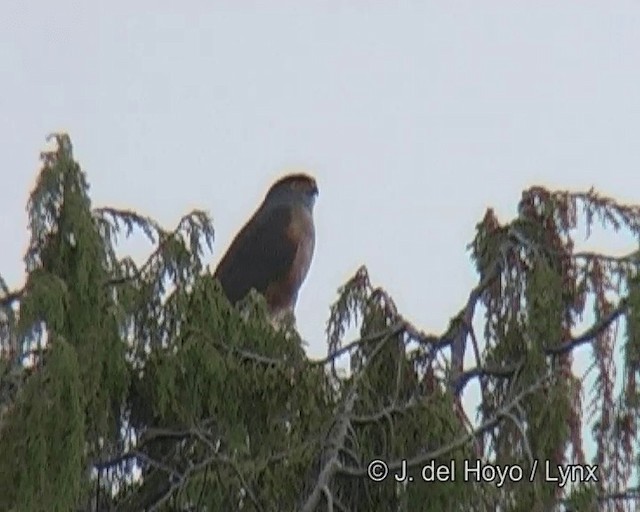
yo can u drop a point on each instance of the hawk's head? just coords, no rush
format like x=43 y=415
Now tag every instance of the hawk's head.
x=300 y=188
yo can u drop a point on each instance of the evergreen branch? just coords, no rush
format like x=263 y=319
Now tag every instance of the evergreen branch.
x=632 y=257
x=461 y=324
x=393 y=330
x=336 y=441
x=402 y=326
x=479 y=372
x=131 y=218
x=165 y=238
x=181 y=479
x=387 y=412
x=332 y=464
x=502 y=413
x=247 y=355
x=193 y=468
x=398 y=328
x=591 y=332
x=177 y=479
x=179 y=482
x=465 y=317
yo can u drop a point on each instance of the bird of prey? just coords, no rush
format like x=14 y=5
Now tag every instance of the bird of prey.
x=272 y=253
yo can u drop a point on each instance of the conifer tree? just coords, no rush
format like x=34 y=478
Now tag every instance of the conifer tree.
x=139 y=387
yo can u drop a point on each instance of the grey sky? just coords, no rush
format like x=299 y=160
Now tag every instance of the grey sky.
x=413 y=116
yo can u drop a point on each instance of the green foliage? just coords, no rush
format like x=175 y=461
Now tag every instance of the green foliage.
x=632 y=346
x=42 y=442
x=139 y=387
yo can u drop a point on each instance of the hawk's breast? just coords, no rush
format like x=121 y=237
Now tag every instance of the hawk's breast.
x=300 y=234
x=302 y=231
